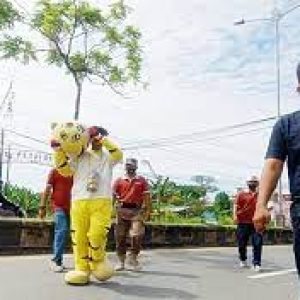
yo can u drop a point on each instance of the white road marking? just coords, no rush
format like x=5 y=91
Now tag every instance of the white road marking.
x=272 y=274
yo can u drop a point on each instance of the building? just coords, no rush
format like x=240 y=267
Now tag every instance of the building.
x=280 y=210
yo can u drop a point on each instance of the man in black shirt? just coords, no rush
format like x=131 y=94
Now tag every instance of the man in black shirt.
x=284 y=145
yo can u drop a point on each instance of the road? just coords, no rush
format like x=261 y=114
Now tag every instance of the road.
x=208 y=274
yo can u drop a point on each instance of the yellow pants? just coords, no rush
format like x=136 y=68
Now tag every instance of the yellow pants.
x=90 y=223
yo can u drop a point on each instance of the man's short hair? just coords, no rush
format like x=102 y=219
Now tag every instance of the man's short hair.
x=253 y=178
x=132 y=162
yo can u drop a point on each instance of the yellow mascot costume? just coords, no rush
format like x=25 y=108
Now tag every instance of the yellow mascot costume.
x=89 y=156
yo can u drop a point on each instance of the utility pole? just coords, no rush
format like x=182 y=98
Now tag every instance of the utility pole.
x=2 y=107
x=1 y=159
x=6 y=110
x=8 y=165
x=277 y=19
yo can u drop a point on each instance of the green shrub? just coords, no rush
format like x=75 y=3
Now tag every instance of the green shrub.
x=225 y=220
x=25 y=198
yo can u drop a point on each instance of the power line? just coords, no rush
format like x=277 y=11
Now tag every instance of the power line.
x=187 y=158
x=161 y=141
x=23 y=146
x=175 y=140
x=205 y=164
x=27 y=137
x=158 y=144
x=171 y=150
x=183 y=137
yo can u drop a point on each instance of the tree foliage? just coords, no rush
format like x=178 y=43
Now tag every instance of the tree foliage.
x=223 y=209
x=86 y=41
x=222 y=203
x=8 y=14
x=25 y=198
x=167 y=194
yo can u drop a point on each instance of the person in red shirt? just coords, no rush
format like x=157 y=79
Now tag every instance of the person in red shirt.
x=58 y=188
x=132 y=197
x=243 y=213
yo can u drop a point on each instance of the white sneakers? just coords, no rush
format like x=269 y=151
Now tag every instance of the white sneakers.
x=132 y=262
x=54 y=267
x=244 y=265
x=120 y=266
x=256 y=268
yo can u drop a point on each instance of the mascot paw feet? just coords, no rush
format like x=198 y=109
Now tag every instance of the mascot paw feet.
x=103 y=271
x=77 y=277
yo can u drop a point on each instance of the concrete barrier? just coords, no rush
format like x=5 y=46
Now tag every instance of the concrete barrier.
x=32 y=236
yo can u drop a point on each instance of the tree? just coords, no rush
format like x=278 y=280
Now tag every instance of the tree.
x=222 y=205
x=26 y=199
x=162 y=190
x=193 y=197
x=87 y=42
x=8 y=15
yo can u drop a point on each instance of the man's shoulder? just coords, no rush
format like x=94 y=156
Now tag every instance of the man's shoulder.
x=289 y=123
x=119 y=180
x=52 y=173
x=291 y=117
x=141 y=178
x=242 y=194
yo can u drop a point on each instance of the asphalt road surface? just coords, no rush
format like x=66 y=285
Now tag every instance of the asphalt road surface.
x=208 y=274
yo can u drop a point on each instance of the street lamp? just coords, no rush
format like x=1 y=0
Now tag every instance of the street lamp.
x=276 y=17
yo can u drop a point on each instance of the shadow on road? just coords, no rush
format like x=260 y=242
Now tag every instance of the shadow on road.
x=157 y=273
x=144 y=291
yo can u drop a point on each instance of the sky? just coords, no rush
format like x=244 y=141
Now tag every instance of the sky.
x=203 y=74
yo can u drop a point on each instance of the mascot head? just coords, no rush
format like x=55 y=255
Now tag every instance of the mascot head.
x=71 y=137
x=70 y=140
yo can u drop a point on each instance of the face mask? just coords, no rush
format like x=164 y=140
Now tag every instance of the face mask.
x=131 y=171
x=252 y=187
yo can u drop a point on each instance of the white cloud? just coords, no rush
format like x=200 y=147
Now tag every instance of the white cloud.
x=203 y=73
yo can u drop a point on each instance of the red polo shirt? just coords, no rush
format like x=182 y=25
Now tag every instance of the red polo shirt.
x=131 y=190
x=245 y=207
x=61 y=190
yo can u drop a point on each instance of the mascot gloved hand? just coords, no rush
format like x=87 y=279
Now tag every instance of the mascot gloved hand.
x=89 y=155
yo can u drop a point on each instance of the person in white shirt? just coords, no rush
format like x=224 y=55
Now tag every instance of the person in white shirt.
x=91 y=208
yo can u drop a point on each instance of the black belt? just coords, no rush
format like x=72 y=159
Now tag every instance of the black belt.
x=130 y=205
